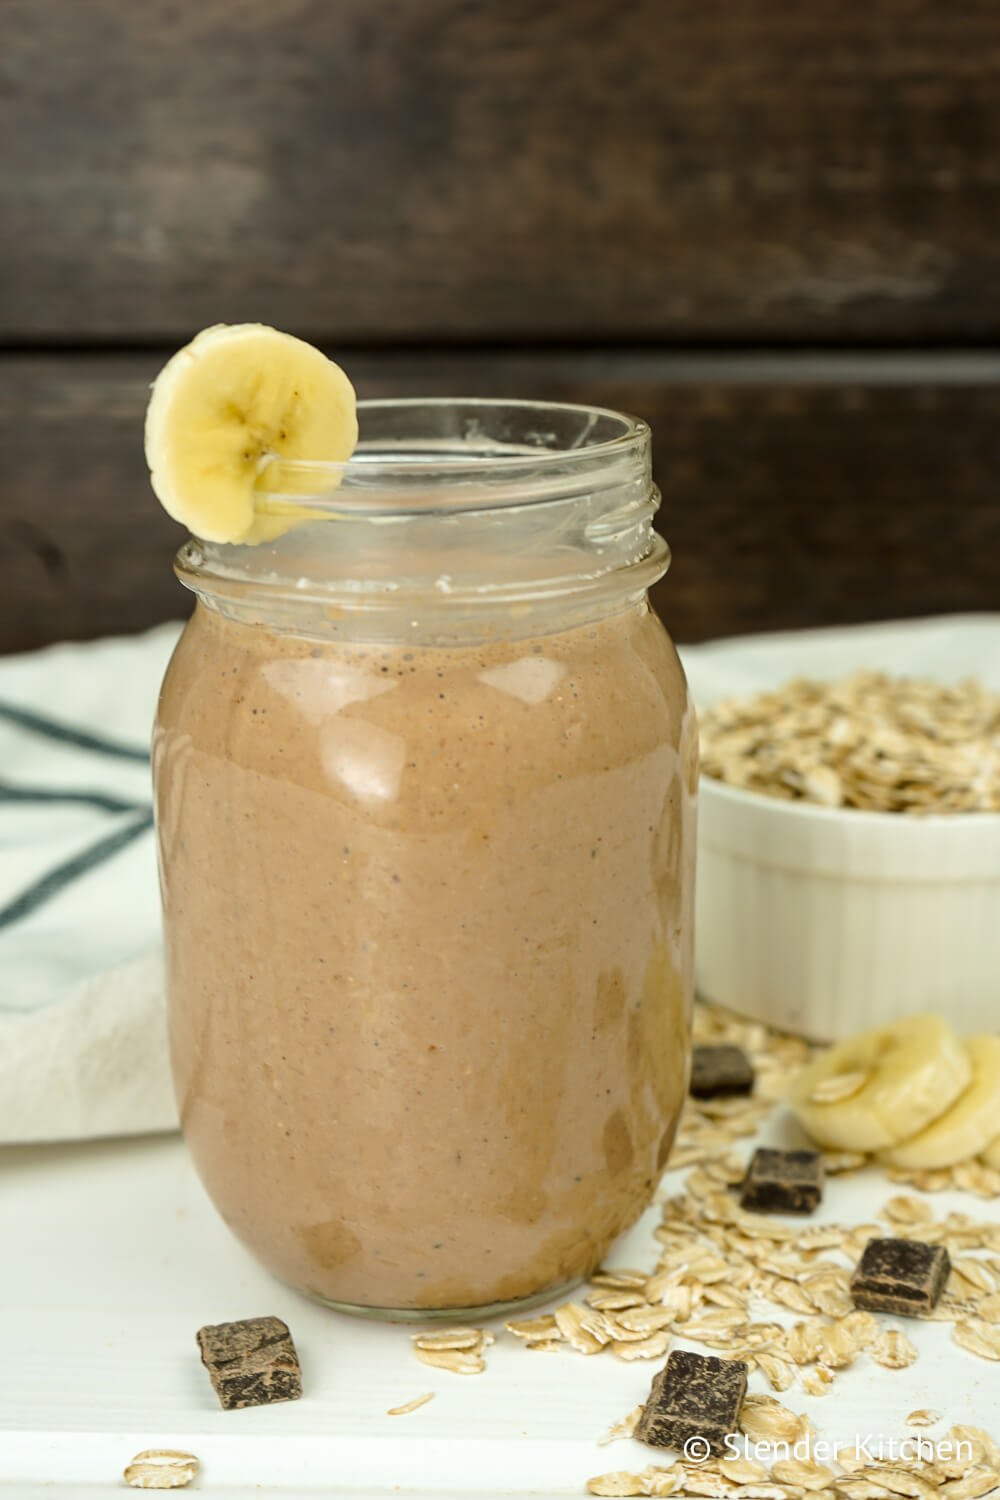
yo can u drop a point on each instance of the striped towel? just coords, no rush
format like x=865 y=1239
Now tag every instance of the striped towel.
x=82 y=1050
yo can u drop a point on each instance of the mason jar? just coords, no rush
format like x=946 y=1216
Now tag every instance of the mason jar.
x=425 y=772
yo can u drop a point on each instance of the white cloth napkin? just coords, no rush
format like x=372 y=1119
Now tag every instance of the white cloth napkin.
x=82 y=1044
x=82 y=1037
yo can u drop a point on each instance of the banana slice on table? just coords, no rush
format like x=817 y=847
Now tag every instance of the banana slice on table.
x=881 y=1087
x=969 y=1126
x=225 y=404
x=991 y=1156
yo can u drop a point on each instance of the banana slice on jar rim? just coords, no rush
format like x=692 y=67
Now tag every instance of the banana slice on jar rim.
x=225 y=405
x=969 y=1126
x=882 y=1087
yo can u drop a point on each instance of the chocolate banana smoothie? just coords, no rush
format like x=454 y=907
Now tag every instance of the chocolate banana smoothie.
x=429 y=927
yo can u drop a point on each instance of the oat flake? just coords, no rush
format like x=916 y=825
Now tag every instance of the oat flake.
x=161 y=1469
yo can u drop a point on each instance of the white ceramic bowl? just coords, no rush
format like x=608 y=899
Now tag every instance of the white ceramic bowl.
x=826 y=921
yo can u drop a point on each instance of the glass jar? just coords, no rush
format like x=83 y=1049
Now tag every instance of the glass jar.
x=425 y=779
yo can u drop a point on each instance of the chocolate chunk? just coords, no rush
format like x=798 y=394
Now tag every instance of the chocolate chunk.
x=900 y=1276
x=720 y=1070
x=694 y=1396
x=252 y=1363
x=789 y=1182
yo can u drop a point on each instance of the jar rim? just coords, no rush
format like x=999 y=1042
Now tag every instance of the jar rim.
x=458 y=453
x=450 y=511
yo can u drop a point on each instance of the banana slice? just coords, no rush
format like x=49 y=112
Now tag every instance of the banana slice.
x=991 y=1156
x=969 y=1126
x=883 y=1086
x=223 y=406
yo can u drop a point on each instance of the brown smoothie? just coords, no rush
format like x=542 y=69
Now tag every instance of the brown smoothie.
x=429 y=928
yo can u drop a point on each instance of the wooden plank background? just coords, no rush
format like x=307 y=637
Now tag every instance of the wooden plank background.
x=772 y=230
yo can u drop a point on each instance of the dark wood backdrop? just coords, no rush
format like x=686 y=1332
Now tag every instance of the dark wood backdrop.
x=772 y=229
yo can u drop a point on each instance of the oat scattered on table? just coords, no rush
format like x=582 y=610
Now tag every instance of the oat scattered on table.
x=458 y=1361
x=408 y=1406
x=765 y=1420
x=452 y=1338
x=893 y=1349
x=978 y=1337
x=161 y=1469
x=905 y=1209
x=817 y=1381
x=651 y=1481
x=805 y=1472
x=584 y=1329
x=653 y=1347
x=462 y=1351
x=535 y=1330
x=623 y=1429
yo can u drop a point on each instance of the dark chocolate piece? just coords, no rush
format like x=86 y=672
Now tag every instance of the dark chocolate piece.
x=694 y=1397
x=900 y=1276
x=788 y=1182
x=252 y=1363
x=720 y=1070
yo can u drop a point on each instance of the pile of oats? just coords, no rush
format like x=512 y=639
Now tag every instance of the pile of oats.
x=868 y=741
